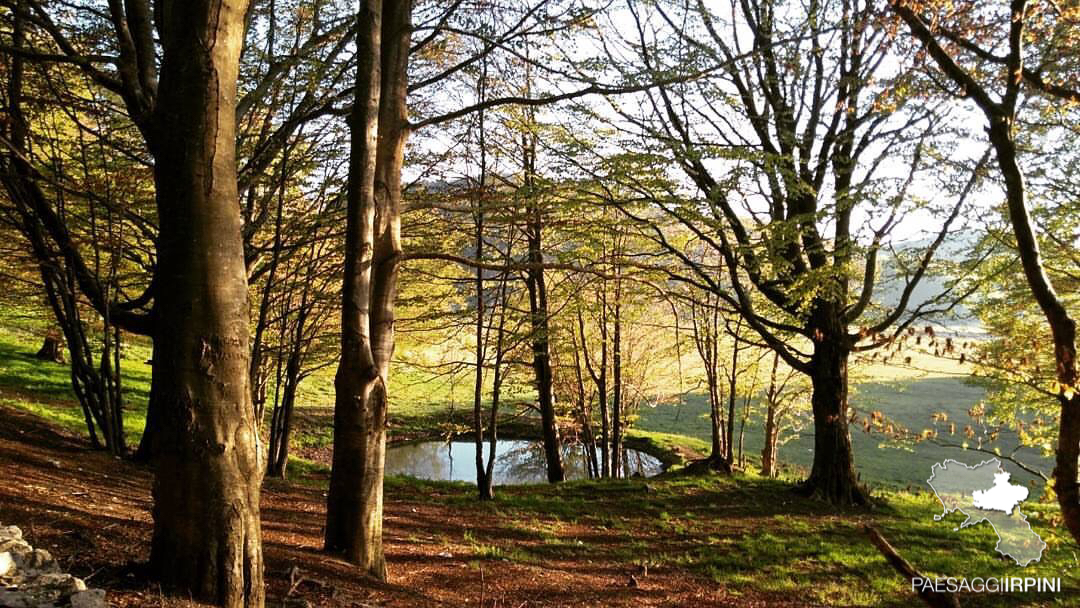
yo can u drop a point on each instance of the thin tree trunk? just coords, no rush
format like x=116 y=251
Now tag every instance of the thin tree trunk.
x=768 y=450
x=378 y=126
x=585 y=416
x=497 y=376
x=733 y=378
x=602 y=390
x=539 y=315
x=483 y=481
x=599 y=378
x=483 y=484
x=617 y=387
x=258 y=379
x=742 y=431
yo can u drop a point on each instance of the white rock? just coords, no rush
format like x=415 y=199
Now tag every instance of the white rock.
x=31 y=578
x=15 y=545
x=35 y=562
x=64 y=583
x=7 y=564
x=94 y=598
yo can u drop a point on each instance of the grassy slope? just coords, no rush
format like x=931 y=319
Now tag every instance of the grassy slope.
x=745 y=533
x=907 y=395
x=44 y=388
x=750 y=535
x=423 y=406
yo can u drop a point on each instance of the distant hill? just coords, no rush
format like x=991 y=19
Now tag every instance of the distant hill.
x=891 y=282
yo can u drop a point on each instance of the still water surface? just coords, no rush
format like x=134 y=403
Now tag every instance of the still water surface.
x=516 y=461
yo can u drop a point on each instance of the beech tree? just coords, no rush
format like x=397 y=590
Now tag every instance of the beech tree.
x=783 y=141
x=206 y=540
x=378 y=128
x=996 y=56
x=207 y=531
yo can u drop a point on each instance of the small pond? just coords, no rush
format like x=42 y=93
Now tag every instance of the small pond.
x=516 y=461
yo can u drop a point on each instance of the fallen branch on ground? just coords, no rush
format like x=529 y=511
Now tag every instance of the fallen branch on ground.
x=934 y=599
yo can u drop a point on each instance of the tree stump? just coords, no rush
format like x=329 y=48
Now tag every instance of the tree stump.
x=52 y=349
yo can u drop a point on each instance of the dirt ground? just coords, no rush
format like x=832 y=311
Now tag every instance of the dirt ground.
x=93 y=513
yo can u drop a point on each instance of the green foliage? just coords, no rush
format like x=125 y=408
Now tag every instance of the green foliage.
x=44 y=388
x=1016 y=364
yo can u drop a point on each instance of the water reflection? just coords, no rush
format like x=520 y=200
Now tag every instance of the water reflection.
x=516 y=461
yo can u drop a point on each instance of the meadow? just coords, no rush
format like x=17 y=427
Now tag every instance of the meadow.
x=425 y=406
x=748 y=535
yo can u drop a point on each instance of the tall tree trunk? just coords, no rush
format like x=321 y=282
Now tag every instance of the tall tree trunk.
x=616 y=387
x=772 y=423
x=733 y=378
x=206 y=540
x=539 y=314
x=378 y=126
x=1062 y=325
x=832 y=477
x=483 y=484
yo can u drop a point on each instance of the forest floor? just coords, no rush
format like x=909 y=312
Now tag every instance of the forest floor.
x=669 y=541
x=673 y=541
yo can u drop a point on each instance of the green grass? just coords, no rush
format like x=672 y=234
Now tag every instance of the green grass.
x=44 y=388
x=749 y=534
x=672 y=449
x=423 y=405
x=908 y=401
x=753 y=536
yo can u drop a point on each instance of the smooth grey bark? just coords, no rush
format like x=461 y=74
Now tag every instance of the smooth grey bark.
x=208 y=469
x=378 y=128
